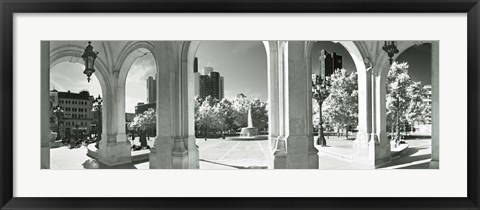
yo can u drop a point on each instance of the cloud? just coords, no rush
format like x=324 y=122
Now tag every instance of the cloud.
x=69 y=76
x=135 y=87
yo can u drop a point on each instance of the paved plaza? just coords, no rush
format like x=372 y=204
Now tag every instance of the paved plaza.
x=252 y=154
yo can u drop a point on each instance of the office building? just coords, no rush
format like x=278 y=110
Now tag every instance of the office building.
x=141 y=107
x=151 y=90
x=210 y=84
x=329 y=62
x=77 y=113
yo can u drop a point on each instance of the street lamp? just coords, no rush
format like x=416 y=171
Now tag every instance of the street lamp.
x=391 y=49
x=89 y=58
x=59 y=114
x=98 y=109
x=320 y=93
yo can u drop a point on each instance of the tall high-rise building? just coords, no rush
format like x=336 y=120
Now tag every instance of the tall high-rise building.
x=151 y=90
x=207 y=70
x=221 y=88
x=196 y=77
x=195 y=65
x=329 y=62
x=209 y=84
x=196 y=83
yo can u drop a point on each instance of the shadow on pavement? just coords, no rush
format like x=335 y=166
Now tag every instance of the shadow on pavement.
x=409 y=157
x=413 y=150
x=237 y=167
x=417 y=166
x=94 y=164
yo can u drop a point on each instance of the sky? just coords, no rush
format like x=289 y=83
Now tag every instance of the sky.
x=67 y=76
x=136 y=84
x=419 y=61
x=243 y=65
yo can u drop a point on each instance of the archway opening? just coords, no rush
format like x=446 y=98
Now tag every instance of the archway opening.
x=337 y=93
x=409 y=105
x=230 y=105
x=140 y=100
x=75 y=114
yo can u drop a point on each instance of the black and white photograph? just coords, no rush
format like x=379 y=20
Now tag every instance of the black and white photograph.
x=122 y=104
x=233 y=104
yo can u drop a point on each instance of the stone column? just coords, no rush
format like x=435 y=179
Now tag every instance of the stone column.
x=434 y=163
x=120 y=101
x=373 y=143
x=188 y=107
x=45 y=104
x=181 y=103
x=313 y=161
x=361 y=143
x=382 y=146
x=277 y=56
x=277 y=151
x=114 y=149
x=297 y=92
x=161 y=156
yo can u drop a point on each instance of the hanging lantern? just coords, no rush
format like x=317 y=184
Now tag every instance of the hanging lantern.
x=89 y=58
x=391 y=49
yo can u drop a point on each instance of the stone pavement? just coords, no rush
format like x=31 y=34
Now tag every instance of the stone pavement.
x=252 y=154
x=417 y=156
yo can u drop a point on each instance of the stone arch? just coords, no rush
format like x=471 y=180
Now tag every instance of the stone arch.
x=186 y=126
x=74 y=53
x=129 y=54
x=384 y=68
x=381 y=94
x=354 y=48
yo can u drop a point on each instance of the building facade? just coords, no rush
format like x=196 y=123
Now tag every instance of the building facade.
x=151 y=90
x=425 y=128
x=77 y=113
x=140 y=108
x=209 y=84
x=329 y=62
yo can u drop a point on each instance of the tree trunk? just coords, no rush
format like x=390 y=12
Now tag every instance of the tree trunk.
x=346 y=133
x=392 y=131
x=397 y=138
x=206 y=132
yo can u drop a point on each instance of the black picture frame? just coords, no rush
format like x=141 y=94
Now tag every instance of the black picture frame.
x=10 y=7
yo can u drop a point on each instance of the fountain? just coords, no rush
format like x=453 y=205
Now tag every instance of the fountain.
x=249 y=132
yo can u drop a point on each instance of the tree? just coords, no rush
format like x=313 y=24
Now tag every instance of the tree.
x=143 y=123
x=223 y=115
x=240 y=107
x=214 y=116
x=340 y=109
x=404 y=98
x=205 y=117
x=259 y=114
